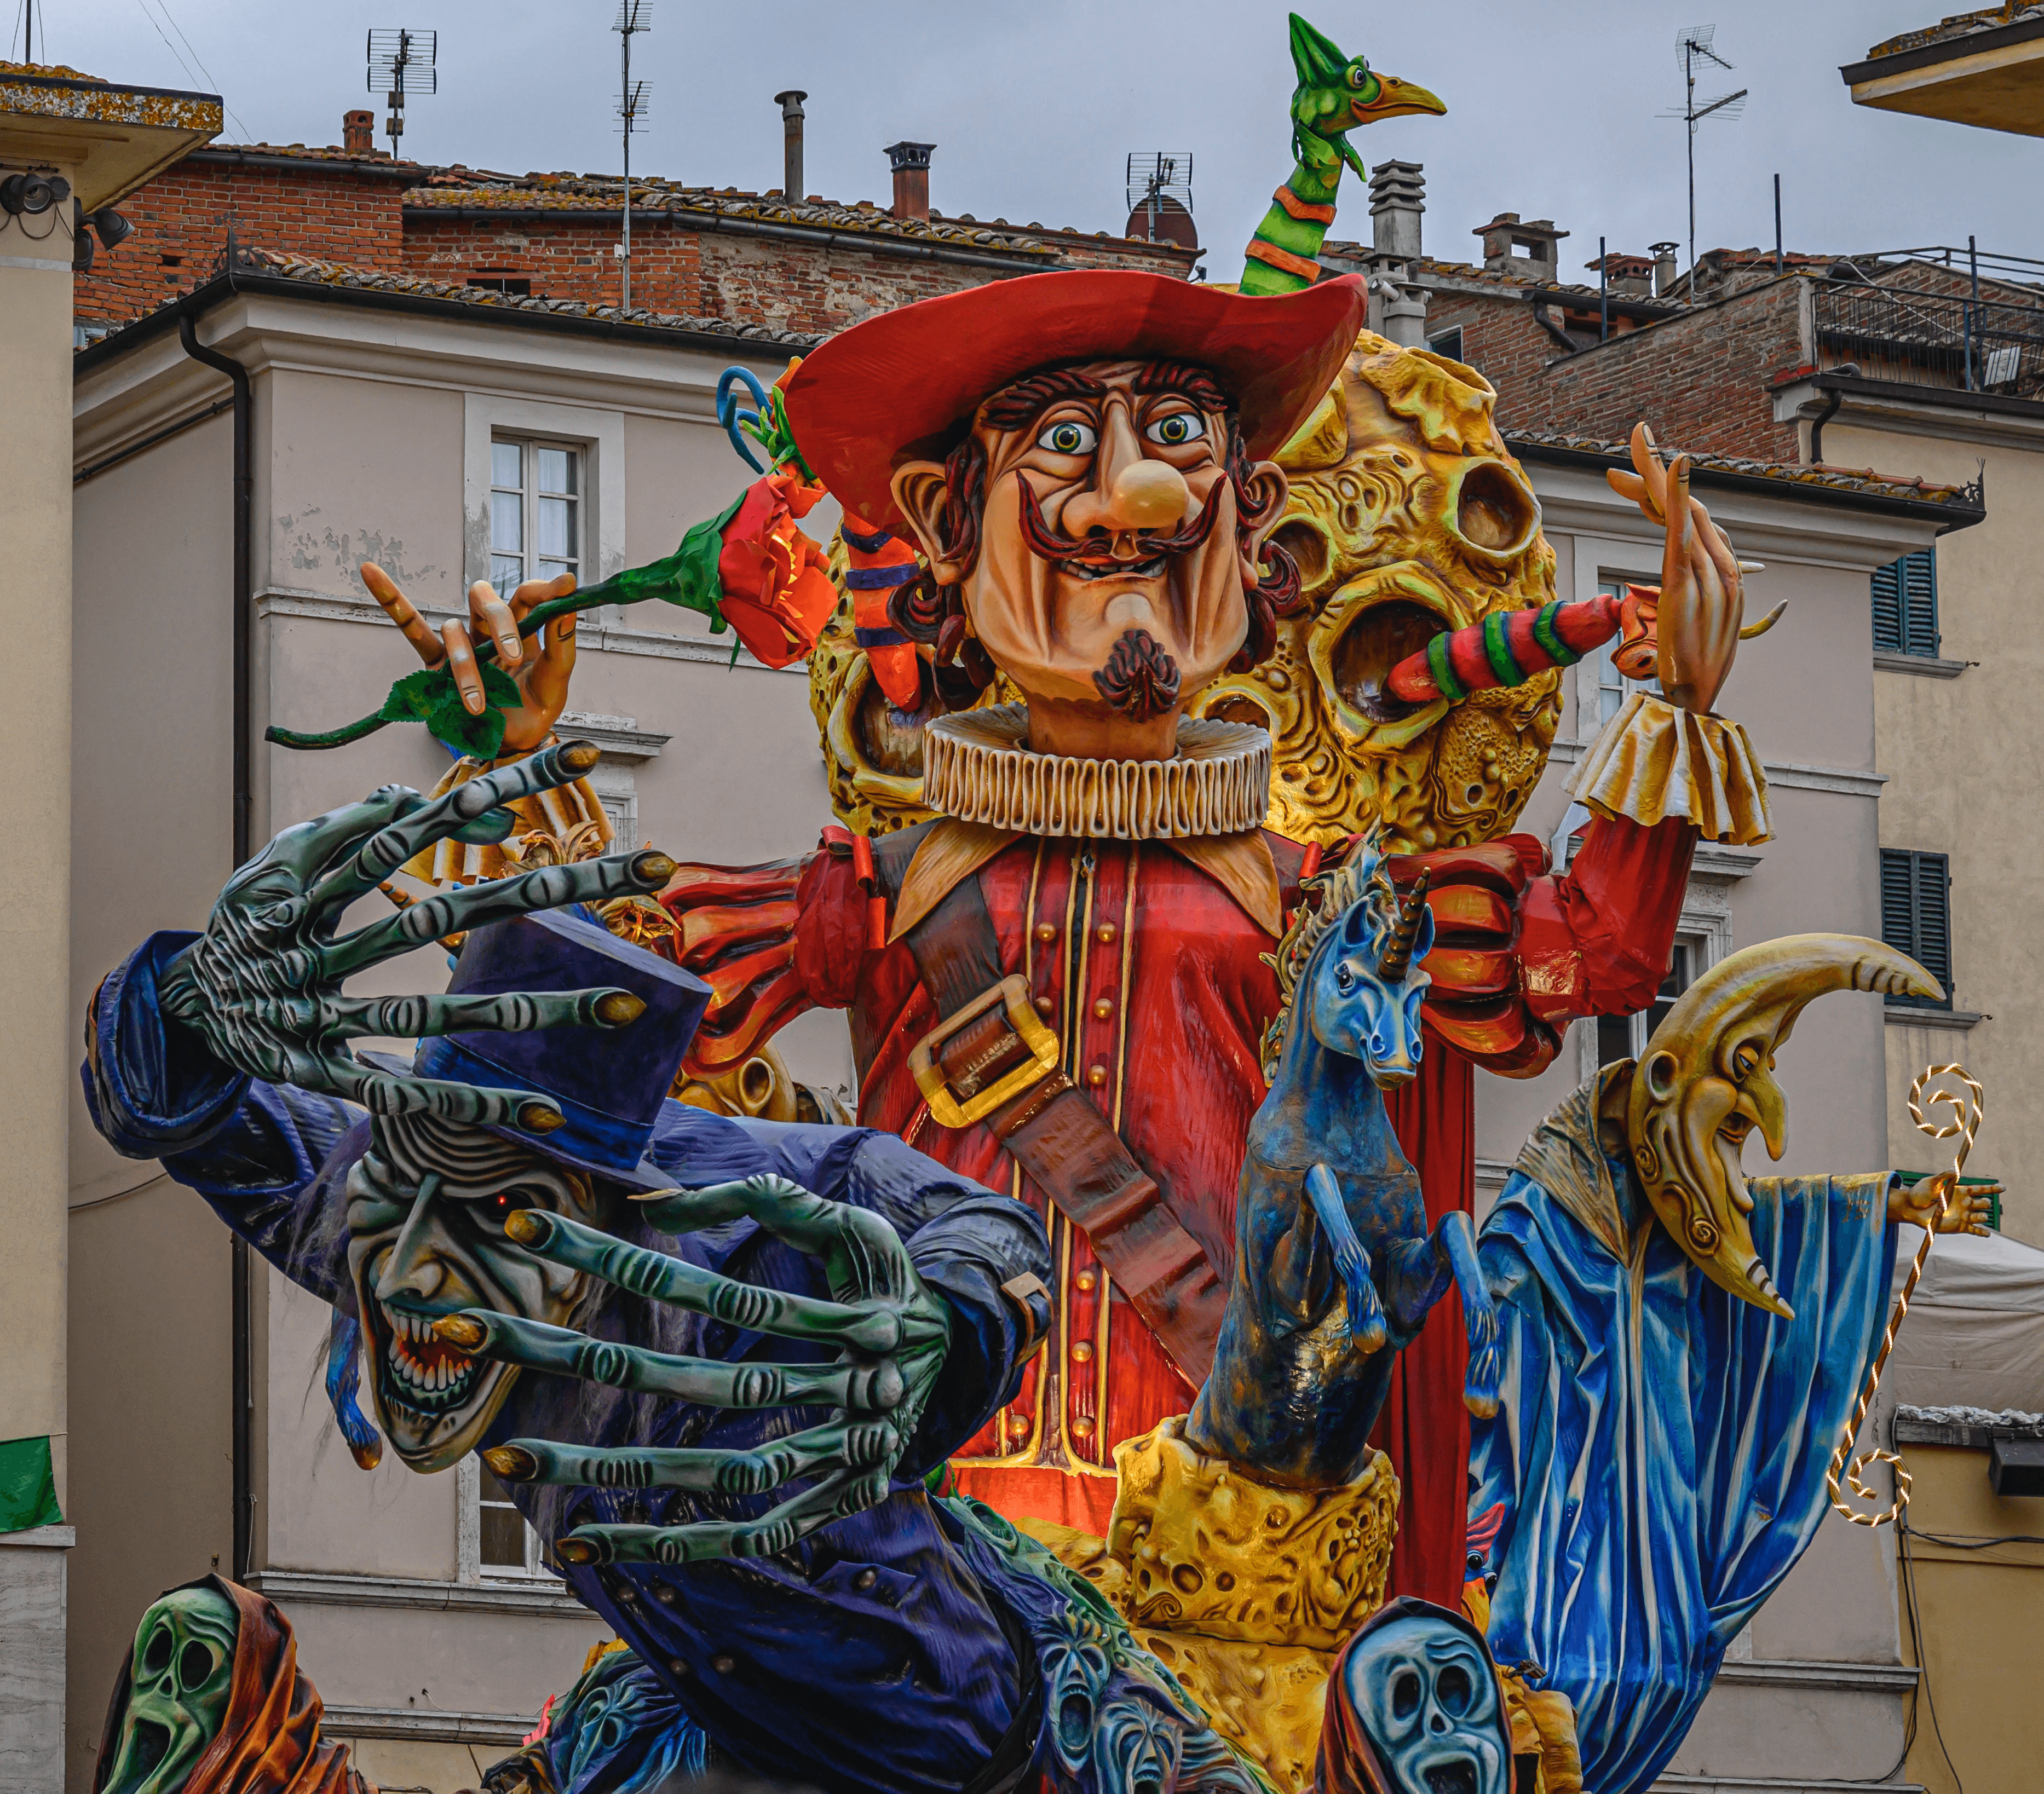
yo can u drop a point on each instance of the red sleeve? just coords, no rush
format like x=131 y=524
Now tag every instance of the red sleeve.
x=770 y=941
x=1596 y=940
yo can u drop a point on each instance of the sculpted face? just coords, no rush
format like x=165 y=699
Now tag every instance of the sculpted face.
x=1707 y=1080
x=426 y=1207
x=178 y=1681
x=1103 y=547
x=1429 y=1705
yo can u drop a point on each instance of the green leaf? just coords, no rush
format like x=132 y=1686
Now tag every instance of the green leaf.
x=499 y=688
x=417 y=695
x=482 y=736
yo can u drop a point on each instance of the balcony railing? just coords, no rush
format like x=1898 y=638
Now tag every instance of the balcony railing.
x=1928 y=338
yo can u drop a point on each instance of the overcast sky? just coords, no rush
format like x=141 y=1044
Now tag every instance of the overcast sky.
x=1553 y=110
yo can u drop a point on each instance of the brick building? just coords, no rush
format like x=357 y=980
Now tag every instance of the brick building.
x=808 y=266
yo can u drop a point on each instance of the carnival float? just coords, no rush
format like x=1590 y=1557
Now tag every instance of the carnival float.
x=1125 y=1400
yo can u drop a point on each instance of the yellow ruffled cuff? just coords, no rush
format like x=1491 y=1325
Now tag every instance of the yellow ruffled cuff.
x=555 y=826
x=1654 y=761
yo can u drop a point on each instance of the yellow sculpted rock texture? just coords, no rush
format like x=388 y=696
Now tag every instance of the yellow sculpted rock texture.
x=1407 y=516
x=1245 y=1591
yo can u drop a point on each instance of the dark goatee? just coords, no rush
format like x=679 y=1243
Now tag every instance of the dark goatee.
x=1140 y=680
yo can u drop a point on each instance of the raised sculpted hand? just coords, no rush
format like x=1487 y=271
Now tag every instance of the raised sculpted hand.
x=1970 y=1209
x=541 y=677
x=262 y=984
x=1702 y=590
x=890 y=1331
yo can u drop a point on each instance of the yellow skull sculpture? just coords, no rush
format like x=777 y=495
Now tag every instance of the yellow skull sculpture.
x=1406 y=516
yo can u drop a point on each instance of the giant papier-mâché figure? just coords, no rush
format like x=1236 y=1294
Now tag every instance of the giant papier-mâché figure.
x=1682 y=1346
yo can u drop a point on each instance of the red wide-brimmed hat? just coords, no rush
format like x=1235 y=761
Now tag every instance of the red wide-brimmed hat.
x=898 y=385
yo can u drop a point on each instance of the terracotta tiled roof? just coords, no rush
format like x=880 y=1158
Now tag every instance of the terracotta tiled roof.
x=586 y=192
x=315 y=152
x=1957 y=25
x=1846 y=479
x=277 y=265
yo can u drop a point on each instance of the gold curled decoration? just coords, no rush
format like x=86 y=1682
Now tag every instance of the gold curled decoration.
x=1966 y=1111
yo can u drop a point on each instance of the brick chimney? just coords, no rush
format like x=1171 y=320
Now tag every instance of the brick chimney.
x=1531 y=249
x=911 y=163
x=790 y=103
x=358 y=133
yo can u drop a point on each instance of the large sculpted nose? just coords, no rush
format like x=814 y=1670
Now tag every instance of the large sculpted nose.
x=412 y=1267
x=1130 y=492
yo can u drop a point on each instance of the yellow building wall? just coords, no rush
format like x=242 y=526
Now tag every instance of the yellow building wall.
x=1964 y=761
x=1973 y=1630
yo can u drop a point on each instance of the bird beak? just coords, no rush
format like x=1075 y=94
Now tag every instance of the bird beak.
x=1397 y=99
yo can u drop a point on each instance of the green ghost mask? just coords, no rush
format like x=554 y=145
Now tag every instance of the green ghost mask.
x=178 y=1681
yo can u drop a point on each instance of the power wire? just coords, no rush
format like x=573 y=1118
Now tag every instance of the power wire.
x=201 y=76
x=163 y=6
x=1903 y=1529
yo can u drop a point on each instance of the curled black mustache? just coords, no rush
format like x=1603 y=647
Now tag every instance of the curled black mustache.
x=1050 y=545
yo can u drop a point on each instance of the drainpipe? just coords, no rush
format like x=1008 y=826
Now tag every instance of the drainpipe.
x=243 y=1395
x=1832 y=402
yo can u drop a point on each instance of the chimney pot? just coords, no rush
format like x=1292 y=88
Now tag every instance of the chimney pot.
x=911 y=165
x=1664 y=266
x=789 y=100
x=358 y=133
x=1398 y=198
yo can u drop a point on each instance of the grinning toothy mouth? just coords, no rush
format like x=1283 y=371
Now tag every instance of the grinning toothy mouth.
x=1153 y=568
x=420 y=1372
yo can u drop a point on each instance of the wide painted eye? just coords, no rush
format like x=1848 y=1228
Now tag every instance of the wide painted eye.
x=1359 y=76
x=1069 y=436
x=1176 y=428
x=1454 y=1690
x=1344 y=980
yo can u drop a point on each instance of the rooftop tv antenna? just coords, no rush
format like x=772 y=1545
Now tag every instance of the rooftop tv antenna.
x=1693 y=51
x=401 y=62
x=634 y=102
x=1159 y=185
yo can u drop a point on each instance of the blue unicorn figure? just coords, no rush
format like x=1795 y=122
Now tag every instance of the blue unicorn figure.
x=1334 y=1268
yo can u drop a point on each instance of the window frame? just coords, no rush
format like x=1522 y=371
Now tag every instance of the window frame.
x=533 y=495
x=1911 y=865
x=1435 y=342
x=472 y=1569
x=1902 y=602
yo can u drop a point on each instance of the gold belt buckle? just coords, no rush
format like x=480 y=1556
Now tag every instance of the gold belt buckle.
x=967 y=1104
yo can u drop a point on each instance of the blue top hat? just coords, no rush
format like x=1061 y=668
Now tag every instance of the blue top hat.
x=609 y=1083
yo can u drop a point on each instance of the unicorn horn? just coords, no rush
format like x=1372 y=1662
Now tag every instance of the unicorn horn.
x=1397 y=960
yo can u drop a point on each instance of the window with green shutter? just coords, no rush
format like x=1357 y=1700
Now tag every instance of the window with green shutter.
x=1905 y=606
x=1916 y=916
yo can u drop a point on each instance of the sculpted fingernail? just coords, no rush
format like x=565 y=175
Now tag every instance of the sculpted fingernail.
x=513 y=1463
x=617 y=1008
x=459 y=1330
x=539 y=1118
x=579 y=756
x=529 y=1227
x=575 y=1551
x=653 y=1195
x=655 y=866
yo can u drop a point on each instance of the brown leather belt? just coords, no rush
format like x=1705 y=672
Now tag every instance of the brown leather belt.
x=992 y=1060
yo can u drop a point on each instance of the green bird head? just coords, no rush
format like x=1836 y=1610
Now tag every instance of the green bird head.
x=1337 y=93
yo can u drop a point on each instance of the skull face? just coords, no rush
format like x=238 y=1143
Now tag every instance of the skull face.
x=1429 y=1705
x=426 y=1208
x=178 y=1681
x=1407 y=517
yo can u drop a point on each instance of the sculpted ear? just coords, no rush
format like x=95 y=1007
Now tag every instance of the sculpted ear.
x=1262 y=502
x=921 y=494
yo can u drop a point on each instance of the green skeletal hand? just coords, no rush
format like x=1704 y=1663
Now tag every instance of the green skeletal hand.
x=262 y=984
x=891 y=1332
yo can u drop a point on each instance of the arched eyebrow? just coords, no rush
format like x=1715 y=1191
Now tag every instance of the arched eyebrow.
x=1016 y=407
x=1186 y=380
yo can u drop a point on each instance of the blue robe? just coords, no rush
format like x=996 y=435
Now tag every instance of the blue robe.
x=1660 y=1446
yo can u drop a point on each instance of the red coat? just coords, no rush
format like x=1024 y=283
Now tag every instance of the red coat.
x=1151 y=972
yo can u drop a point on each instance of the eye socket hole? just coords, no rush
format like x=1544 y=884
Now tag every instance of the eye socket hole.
x=1454 y=1690
x=1069 y=436
x=1176 y=428
x=156 y=1654
x=194 y=1665
x=500 y=1204
x=1405 y=1695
